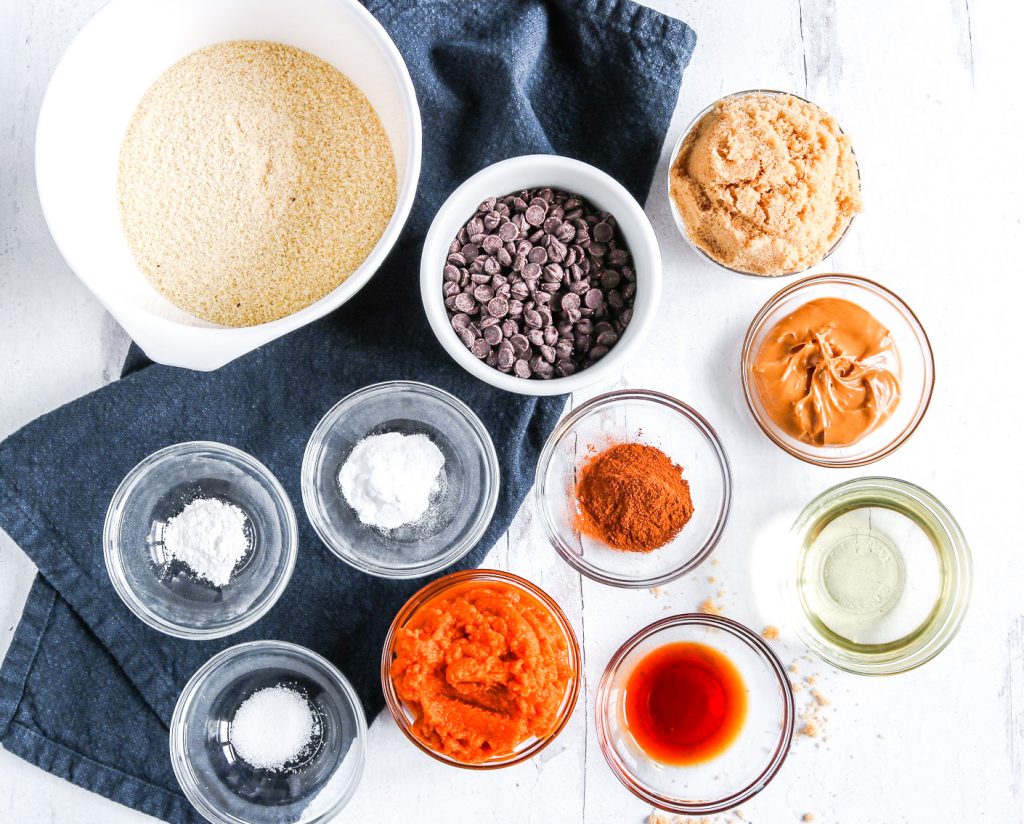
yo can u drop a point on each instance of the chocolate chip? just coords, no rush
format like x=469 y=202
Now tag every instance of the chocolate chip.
x=522 y=369
x=538 y=255
x=498 y=307
x=535 y=217
x=603 y=232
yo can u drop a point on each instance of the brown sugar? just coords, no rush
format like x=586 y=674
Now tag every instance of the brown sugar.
x=770 y=633
x=254 y=178
x=709 y=607
x=766 y=183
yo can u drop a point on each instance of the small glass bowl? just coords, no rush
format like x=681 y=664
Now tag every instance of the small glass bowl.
x=404 y=716
x=678 y=218
x=911 y=543
x=735 y=775
x=226 y=790
x=461 y=507
x=650 y=418
x=917 y=366
x=166 y=595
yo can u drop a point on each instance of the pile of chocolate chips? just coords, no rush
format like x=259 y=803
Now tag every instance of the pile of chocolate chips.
x=539 y=283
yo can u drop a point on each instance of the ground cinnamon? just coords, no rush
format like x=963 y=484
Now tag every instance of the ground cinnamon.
x=632 y=497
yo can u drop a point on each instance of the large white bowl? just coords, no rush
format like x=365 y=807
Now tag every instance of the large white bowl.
x=556 y=172
x=92 y=96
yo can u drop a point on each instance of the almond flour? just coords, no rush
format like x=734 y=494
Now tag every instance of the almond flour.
x=254 y=178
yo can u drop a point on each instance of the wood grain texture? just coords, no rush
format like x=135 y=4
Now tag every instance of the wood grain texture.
x=929 y=94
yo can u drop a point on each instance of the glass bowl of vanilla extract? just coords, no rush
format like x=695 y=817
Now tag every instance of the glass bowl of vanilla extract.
x=695 y=714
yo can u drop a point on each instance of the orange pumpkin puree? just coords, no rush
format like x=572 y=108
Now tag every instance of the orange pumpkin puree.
x=483 y=667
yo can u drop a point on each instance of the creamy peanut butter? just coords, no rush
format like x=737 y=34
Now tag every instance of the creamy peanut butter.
x=828 y=373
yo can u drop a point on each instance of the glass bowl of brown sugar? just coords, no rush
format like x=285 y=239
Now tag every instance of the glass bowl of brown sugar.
x=634 y=488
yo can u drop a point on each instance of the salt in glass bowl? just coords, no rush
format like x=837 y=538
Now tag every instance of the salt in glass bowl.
x=645 y=417
x=461 y=507
x=734 y=775
x=165 y=593
x=678 y=218
x=917 y=367
x=404 y=716
x=914 y=556
x=223 y=787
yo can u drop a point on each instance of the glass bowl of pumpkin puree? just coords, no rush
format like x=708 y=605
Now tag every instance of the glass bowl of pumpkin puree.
x=481 y=669
x=837 y=370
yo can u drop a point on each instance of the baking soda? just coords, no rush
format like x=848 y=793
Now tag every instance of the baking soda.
x=388 y=478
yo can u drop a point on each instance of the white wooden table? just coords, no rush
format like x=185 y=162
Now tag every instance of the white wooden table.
x=930 y=92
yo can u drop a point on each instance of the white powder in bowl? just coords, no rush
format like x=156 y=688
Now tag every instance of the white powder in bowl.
x=388 y=478
x=272 y=727
x=209 y=537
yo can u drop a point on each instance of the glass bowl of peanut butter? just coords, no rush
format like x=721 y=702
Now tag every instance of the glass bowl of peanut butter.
x=837 y=370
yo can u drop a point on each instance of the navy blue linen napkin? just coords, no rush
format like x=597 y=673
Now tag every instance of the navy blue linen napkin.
x=87 y=690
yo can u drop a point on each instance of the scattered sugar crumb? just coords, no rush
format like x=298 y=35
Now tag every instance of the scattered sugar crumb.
x=721 y=593
x=770 y=632
x=811 y=680
x=807 y=817
x=810 y=728
x=734 y=817
x=656 y=591
x=820 y=699
x=709 y=607
x=712 y=579
x=714 y=562
x=794 y=668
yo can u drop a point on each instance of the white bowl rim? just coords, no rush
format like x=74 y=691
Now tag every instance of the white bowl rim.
x=152 y=331
x=533 y=166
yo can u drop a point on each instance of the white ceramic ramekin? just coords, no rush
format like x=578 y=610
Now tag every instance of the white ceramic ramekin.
x=91 y=98
x=527 y=172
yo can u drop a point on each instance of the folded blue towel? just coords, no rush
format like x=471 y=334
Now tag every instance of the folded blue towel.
x=86 y=689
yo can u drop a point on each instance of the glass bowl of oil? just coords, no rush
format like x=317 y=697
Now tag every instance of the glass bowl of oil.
x=882 y=576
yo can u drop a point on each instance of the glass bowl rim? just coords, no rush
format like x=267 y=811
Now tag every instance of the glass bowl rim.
x=955 y=550
x=312 y=502
x=696 y=421
x=678 y=218
x=763 y=651
x=867 y=285
x=112 y=545
x=422 y=596
x=182 y=766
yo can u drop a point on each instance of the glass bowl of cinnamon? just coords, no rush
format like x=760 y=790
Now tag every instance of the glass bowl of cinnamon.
x=634 y=489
